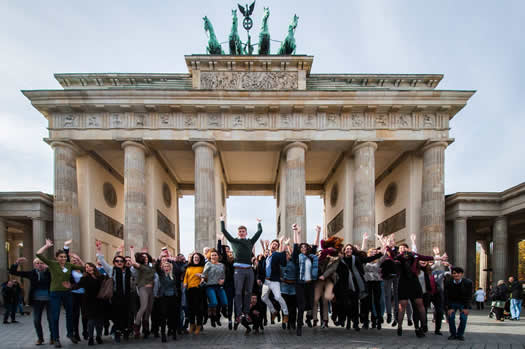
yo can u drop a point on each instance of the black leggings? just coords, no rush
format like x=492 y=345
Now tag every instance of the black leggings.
x=169 y=313
x=304 y=294
x=373 y=300
x=120 y=313
x=291 y=304
x=79 y=312
x=195 y=298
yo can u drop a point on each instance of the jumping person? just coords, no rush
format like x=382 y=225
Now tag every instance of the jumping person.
x=40 y=280
x=194 y=293
x=214 y=275
x=306 y=260
x=270 y=277
x=145 y=282
x=243 y=275
x=59 y=295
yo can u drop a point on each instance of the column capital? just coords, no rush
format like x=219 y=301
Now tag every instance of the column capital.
x=359 y=145
x=67 y=144
x=431 y=144
x=295 y=145
x=460 y=218
x=126 y=144
x=204 y=144
x=500 y=218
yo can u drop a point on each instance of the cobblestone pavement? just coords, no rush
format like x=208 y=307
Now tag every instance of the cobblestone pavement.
x=482 y=333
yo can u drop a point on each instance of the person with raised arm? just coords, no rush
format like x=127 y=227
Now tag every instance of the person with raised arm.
x=91 y=282
x=214 y=275
x=194 y=292
x=409 y=286
x=141 y=263
x=269 y=277
x=122 y=288
x=40 y=280
x=59 y=295
x=243 y=275
x=227 y=259
x=306 y=261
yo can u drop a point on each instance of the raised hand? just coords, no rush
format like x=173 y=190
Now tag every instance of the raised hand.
x=258 y=220
x=120 y=249
x=318 y=229
x=221 y=218
x=287 y=241
x=98 y=246
x=365 y=236
x=435 y=250
x=144 y=250
x=49 y=243
x=21 y=260
x=413 y=238
x=66 y=284
x=68 y=242
x=295 y=227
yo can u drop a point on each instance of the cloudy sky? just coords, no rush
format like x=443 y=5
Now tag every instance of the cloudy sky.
x=477 y=45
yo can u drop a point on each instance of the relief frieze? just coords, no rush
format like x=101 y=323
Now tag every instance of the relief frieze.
x=226 y=80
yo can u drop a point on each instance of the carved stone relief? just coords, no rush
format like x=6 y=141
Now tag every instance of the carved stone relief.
x=237 y=121
x=249 y=80
x=69 y=120
x=428 y=121
x=403 y=121
x=116 y=120
x=381 y=120
x=140 y=119
x=189 y=120
x=332 y=120
x=358 y=120
x=110 y=194
x=93 y=121
x=166 y=194
x=261 y=120
x=214 y=120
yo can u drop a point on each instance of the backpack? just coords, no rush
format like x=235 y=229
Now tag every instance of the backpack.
x=106 y=289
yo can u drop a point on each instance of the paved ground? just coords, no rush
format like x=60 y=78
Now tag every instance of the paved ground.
x=482 y=333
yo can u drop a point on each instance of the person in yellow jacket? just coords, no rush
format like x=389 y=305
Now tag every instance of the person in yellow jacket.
x=194 y=292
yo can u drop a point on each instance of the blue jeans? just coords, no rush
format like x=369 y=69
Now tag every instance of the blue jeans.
x=56 y=299
x=515 y=308
x=216 y=295
x=452 y=320
x=38 y=310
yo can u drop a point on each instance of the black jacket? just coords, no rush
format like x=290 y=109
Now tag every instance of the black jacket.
x=35 y=282
x=516 y=290
x=458 y=293
x=278 y=261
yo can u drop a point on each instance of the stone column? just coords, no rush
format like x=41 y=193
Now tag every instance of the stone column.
x=460 y=242
x=65 y=210
x=433 y=198
x=3 y=251
x=483 y=264
x=135 y=233
x=39 y=234
x=295 y=154
x=500 y=252
x=205 y=219
x=364 y=192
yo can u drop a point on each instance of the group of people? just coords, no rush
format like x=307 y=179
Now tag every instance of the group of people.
x=294 y=282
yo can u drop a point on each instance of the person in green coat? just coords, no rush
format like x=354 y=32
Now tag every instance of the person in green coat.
x=59 y=294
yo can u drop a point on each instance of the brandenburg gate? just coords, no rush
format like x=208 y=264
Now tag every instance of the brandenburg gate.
x=127 y=146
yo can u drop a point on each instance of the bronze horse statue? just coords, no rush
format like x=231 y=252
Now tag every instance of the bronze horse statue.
x=234 y=39
x=288 y=45
x=264 y=35
x=214 y=47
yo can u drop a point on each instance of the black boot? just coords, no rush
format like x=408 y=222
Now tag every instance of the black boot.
x=91 y=341
x=299 y=330
x=163 y=338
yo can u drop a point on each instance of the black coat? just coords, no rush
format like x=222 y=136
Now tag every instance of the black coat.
x=278 y=261
x=516 y=290
x=95 y=308
x=35 y=282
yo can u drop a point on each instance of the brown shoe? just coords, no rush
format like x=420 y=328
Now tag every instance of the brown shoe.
x=198 y=329
x=39 y=342
x=285 y=319
x=51 y=342
x=192 y=328
x=273 y=316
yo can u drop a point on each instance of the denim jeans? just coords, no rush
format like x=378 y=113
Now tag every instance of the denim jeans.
x=56 y=299
x=515 y=308
x=452 y=320
x=216 y=295
x=38 y=309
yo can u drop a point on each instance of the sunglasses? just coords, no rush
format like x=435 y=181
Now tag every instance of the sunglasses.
x=119 y=261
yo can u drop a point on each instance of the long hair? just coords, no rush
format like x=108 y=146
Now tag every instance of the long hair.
x=95 y=271
x=308 y=248
x=334 y=242
x=201 y=261
x=139 y=257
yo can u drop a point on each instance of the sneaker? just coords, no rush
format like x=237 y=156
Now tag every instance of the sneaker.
x=72 y=339
x=273 y=316
x=394 y=323
x=39 y=342
x=309 y=322
x=57 y=344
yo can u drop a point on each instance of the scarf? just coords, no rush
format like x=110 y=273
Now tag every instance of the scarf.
x=122 y=282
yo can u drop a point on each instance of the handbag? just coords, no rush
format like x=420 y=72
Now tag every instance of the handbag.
x=106 y=289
